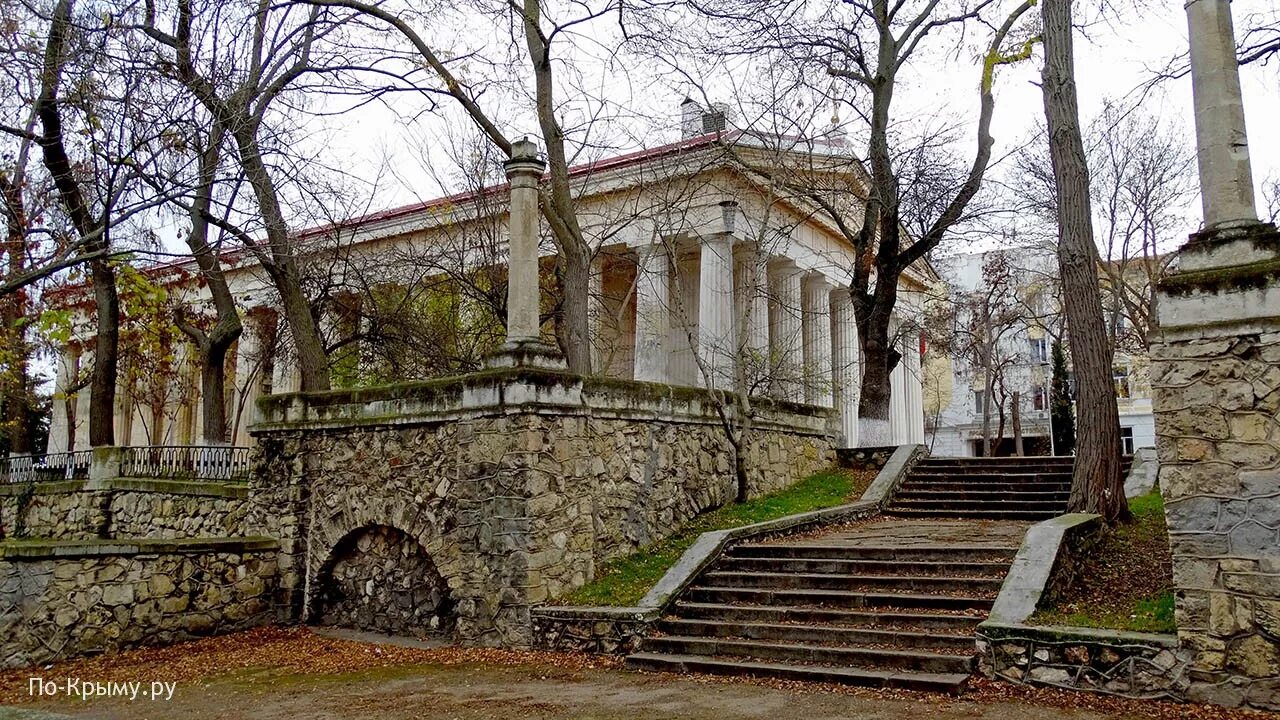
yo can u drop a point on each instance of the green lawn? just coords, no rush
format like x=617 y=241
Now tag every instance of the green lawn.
x=1127 y=581
x=625 y=580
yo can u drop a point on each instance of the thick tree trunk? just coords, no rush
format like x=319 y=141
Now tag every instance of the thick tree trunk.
x=879 y=358
x=214 y=345
x=1016 y=411
x=313 y=361
x=102 y=386
x=16 y=383
x=559 y=208
x=1097 y=486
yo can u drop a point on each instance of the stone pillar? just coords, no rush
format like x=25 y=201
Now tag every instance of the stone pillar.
x=1226 y=179
x=817 y=340
x=786 y=336
x=653 y=313
x=716 y=347
x=524 y=169
x=524 y=346
x=846 y=375
x=1215 y=369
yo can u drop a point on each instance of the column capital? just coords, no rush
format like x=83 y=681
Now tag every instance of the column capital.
x=524 y=164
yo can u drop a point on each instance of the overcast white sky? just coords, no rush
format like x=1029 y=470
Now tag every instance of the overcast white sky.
x=1114 y=56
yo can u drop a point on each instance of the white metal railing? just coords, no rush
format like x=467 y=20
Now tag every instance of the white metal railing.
x=45 y=467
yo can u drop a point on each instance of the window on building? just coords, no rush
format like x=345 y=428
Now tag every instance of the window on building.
x=1039 y=350
x=979 y=401
x=1040 y=397
x=1121 y=376
x=1126 y=440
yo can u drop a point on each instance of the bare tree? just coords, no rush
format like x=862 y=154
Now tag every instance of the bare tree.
x=538 y=28
x=865 y=46
x=1097 y=485
x=240 y=61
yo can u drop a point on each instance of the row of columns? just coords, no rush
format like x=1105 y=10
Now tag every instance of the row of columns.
x=798 y=323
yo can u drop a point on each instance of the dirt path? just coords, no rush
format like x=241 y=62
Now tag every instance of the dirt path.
x=472 y=692
x=279 y=674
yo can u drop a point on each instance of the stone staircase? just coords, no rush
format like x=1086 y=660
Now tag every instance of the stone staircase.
x=892 y=605
x=1014 y=488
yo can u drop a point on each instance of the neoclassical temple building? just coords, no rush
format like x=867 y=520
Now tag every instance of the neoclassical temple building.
x=711 y=256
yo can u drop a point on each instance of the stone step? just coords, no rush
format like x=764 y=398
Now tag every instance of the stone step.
x=976 y=478
x=927 y=493
x=834 y=598
x=1013 y=502
x=870 y=567
x=871 y=583
x=917 y=553
x=924 y=682
x=991 y=469
x=946 y=622
x=1027 y=515
x=962 y=486
x=881 y=659
x=827 y=634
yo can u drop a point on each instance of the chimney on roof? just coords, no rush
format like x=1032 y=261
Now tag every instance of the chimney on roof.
x=696 y=120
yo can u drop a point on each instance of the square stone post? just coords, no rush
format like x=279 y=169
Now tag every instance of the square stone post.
x=1215 y=368
x=524 y=346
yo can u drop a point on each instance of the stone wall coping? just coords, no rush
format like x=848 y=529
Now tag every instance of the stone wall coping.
x=505 y=391
x=1071 y=635
x=52 y=487
x=1032 y=567
x=710 y=545
x=146 y=485
x=47 y=549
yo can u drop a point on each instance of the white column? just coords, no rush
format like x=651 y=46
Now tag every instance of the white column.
x=1222 y=148
x=846 y=375
x=752 y=309
x=817 y=340
x=595 y=314
x=786 y=336
x=912 y=378
x=67 y=364
x=653 y=314
x=248 y=373
x=523 y=172
x=897 y=413
x=716 y=351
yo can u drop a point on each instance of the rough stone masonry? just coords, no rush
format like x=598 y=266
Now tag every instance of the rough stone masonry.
x=505 y=488
x=1216 y=382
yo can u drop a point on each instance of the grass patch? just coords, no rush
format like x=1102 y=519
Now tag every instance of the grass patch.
x=1127 y=581
x=625 y=580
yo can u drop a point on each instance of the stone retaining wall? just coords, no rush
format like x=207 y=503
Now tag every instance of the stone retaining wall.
x=517 y=483
x=122 y=508
x=1135 y=665
x=612 y=631
x=65 y=599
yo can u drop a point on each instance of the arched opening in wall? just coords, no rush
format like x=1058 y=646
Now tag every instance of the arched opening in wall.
x=379 y=579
